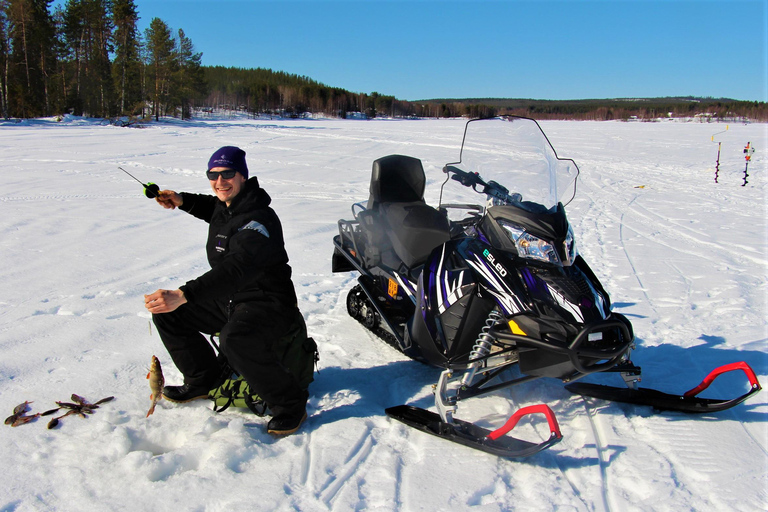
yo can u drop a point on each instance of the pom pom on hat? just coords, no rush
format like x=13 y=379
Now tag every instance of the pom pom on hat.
x=230 y=157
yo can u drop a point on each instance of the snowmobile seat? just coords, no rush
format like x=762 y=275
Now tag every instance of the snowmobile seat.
x=397 y=199
x=396 y=179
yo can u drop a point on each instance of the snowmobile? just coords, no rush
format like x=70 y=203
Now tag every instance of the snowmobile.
x=477 y=289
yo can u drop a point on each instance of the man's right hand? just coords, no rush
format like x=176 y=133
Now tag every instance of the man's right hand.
x=169 y=199
x=164 y=301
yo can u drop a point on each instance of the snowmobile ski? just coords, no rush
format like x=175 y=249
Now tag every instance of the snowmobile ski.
x=473 y=436
x=688 y=402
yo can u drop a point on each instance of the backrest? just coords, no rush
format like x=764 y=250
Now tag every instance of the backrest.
x=396 y=179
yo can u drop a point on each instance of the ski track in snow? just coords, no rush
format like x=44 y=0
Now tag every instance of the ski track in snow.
x=684 y=258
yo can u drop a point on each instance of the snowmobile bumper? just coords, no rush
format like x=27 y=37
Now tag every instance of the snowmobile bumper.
x=473 y=436
x=582 y=355
x=688 y=402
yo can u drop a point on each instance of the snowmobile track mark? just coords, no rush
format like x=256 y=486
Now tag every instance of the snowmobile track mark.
x=754 y=439
x=354 y=460
x=629 y=258
x=600 y=448
x=306 y=461
x=574 y=488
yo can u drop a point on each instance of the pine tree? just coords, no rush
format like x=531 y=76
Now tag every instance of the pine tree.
x=5 y=57
x=160 y=59
x=126 y=67
x=87 y=35
x=31 y=61
x=101 y=28
x=189 y=78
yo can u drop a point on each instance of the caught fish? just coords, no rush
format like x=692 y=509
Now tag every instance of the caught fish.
x=55 y=421
x=21 y=420
x=80 y=400
x=15 y=419
x=156 y=383
x=21 y=408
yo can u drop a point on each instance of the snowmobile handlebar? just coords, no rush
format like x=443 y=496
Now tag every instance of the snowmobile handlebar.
x=499 y=193
x=468 y=179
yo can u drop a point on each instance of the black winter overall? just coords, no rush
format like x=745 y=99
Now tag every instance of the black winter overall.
x=247 y=296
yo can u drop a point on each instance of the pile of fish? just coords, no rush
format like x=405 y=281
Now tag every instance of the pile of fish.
x=79 y=406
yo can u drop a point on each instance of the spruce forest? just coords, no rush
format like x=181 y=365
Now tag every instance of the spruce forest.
x=88 y=58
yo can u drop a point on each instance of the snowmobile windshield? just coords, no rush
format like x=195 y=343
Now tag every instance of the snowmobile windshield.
x=515 y=153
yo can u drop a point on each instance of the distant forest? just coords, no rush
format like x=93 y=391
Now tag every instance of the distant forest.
x=260 y=91
x=88 y=58
x=645 y=109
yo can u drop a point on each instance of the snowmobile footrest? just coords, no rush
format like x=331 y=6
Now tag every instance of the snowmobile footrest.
x=687 y=402
x=469 y=434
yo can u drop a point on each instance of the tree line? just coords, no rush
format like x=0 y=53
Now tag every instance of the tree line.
x=263 y=91
x=642 y=109
x=88 y=58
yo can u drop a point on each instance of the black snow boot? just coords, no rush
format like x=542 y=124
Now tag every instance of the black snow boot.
x=185 y=393
x=286 y=423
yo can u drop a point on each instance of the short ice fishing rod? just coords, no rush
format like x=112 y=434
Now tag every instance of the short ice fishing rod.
x=150 y=189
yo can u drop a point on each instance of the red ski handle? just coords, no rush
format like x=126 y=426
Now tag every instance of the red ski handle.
x=531 y=409
x=741 y=365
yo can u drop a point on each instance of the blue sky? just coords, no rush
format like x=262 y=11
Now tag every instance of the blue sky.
x=489 y=48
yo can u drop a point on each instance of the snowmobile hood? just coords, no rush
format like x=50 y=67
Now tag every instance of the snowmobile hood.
x=552 y=225
x=549 y=225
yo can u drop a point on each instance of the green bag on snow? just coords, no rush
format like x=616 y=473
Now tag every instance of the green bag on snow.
x=295 y=351
x=235 y=392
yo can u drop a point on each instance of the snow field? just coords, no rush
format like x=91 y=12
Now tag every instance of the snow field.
x=684 y=258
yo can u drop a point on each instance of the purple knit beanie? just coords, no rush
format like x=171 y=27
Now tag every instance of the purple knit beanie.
x=230 y=157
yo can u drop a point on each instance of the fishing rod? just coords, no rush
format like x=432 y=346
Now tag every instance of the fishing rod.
x=150 y=189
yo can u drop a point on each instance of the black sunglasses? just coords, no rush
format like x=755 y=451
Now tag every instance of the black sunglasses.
x=227 y=175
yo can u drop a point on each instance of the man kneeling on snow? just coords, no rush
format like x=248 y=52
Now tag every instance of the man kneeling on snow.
x=247 y=297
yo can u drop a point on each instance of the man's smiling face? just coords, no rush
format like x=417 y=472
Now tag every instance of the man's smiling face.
x=227 y=189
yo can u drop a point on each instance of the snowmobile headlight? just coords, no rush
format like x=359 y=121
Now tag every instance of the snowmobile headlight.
x=530 y=246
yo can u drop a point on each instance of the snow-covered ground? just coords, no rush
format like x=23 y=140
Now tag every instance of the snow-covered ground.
x=684 y=258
